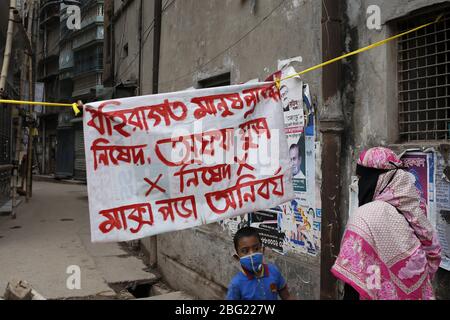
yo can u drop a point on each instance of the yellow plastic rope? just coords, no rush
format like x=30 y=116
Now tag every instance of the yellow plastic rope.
x=377 y=44
x=74 y=106
x=76 y=109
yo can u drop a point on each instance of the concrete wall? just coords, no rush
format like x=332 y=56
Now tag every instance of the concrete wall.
x=126 y=31
x=194 y=33
x=195 y=36
x=147 y=46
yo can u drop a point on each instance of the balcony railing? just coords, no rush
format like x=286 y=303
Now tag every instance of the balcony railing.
x=88 y=60
x=83 y=38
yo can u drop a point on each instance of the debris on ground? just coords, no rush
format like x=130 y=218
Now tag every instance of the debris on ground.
x=21 y=290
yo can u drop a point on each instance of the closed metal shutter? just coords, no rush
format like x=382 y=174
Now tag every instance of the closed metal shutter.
x=65 y=153
x=80 y=159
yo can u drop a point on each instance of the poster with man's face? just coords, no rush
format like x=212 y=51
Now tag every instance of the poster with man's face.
x=297 y=160
x=297 y=156
x=292 y=100
x=298 y=223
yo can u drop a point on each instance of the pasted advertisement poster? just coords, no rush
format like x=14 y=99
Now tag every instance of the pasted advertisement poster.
x=300 y=218
x=442 y=192
x=422 y=166
x=294 y=119
x=353 y=203
x=232 y=225
x=294 y=226
x=417 y=163
x=267 y=223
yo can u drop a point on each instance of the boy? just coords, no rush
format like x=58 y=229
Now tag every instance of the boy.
x=257 y=281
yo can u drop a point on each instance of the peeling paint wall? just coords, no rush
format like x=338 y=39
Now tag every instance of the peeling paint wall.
x=196 y=34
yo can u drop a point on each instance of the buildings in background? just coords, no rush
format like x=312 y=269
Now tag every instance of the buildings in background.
x=70 y=65
x=16 y=88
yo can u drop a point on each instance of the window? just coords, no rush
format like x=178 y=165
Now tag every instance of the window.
x=217 y=81
x=423 y=82
x=125 y=50
x=100 y=10
x=88 y=60
x=99 y=79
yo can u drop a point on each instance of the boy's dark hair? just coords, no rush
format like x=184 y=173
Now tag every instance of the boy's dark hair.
x=244 y=233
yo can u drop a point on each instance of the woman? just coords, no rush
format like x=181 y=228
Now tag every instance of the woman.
x=389 y=250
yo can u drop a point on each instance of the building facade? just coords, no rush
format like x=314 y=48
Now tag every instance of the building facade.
x=16 y=88
x=395 y=95
x=48 y=74
x=71 y=67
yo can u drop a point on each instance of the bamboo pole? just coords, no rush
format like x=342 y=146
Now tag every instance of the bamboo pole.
x=8 y=47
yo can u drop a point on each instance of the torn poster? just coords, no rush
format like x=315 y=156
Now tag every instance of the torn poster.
x=353 y=190
x=175 y=161
x=300 y=219
x=268 y=228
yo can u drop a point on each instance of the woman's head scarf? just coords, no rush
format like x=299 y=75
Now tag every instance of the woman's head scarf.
x=371 y=165
x=390 y=234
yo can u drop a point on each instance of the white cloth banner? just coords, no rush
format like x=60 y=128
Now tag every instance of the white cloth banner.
x=175 y=161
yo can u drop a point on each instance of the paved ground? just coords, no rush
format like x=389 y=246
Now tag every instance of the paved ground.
x=50 y=234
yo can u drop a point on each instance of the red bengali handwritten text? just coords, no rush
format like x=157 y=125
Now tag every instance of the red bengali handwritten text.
x=184 y=208
x=222 y=201
x=107 y=155
x=118 y=218
x=211 y=105
x=192 y=148
x=195 y=146
x=254 y=96
x=137 y=118
x=259 y=126
x=224 y=104
x=208 y=175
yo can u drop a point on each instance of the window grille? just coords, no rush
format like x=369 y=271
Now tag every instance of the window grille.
x=423 y=82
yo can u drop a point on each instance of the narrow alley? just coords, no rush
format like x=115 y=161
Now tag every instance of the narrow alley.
x=50 y=234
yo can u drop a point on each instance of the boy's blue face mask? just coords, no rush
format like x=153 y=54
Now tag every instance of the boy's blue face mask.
x=253 y=262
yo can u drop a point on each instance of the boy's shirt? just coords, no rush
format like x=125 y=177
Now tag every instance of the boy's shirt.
x=248 y=287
